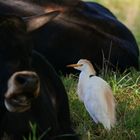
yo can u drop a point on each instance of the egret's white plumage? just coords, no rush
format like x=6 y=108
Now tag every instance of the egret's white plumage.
x=96 y=94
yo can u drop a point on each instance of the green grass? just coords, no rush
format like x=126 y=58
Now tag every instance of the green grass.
x=126 y=88
x=33 y=133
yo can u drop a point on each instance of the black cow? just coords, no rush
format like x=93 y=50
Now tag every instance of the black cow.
x=84 y=30
x=30 y=89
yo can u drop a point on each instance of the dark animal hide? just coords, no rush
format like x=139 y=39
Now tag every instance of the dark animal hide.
x=85 y=30
x=30 y=89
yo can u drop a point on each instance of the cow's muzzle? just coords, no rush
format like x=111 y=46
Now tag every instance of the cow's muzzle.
x=23 y=87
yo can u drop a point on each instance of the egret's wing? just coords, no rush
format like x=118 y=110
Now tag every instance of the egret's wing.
x=91 y=111
x=95 y=103
x=95 y=107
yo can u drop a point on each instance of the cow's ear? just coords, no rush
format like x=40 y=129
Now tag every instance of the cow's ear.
x=35 y=22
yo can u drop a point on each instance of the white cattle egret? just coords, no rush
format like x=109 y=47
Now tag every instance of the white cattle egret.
x=96 y=94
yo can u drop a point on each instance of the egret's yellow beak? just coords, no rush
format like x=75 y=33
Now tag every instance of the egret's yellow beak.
x=74 y=65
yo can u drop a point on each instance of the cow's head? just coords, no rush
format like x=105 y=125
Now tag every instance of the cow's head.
x=18 y=83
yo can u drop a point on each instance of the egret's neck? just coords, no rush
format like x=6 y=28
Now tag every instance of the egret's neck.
x=87 y=73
